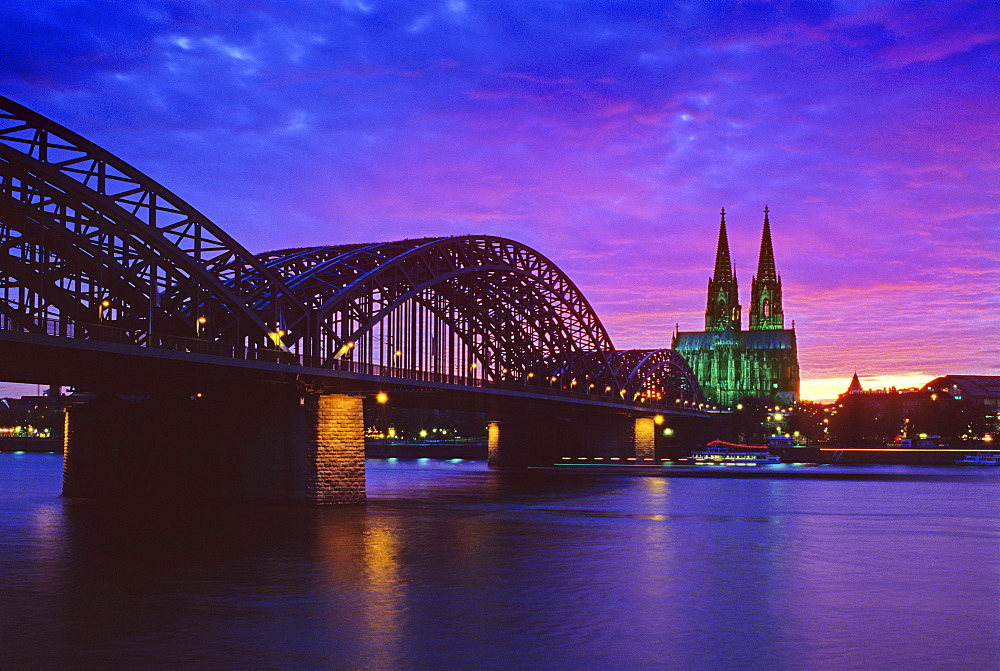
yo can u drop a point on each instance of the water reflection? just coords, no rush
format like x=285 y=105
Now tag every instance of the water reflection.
x=385 y=606
x=452 y=565
x=48 y=538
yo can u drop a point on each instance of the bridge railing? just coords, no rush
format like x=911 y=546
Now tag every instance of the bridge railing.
x=114 y=334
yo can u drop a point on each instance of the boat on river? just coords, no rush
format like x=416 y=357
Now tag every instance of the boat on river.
x=980 y=459
x=721 y=453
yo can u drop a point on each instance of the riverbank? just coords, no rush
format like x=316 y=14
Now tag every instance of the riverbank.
x=886 y=456
x=384 y=449
x=53 y=444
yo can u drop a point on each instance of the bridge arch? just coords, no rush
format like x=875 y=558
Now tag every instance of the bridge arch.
x=480 y=307
x=660 y=375
x=91 y=243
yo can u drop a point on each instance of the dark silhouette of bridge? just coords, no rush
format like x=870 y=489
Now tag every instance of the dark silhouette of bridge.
x=112 y=283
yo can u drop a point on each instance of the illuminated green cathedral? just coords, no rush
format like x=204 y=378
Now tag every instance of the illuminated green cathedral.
x=733 y=365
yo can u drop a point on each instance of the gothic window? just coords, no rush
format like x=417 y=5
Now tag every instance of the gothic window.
x=767 y=308
x=722 y=310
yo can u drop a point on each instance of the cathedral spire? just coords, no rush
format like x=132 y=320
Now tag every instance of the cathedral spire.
x=723 y=309
x=765 y=262
x=766 y=313
x=723 y=262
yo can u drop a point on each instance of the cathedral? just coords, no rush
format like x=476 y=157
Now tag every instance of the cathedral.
x=733 y=365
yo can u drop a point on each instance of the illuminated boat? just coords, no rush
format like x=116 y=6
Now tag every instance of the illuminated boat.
x=980 y=459
x=721 y=453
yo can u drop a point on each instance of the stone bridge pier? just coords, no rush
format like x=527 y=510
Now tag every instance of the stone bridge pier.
x=271 y=443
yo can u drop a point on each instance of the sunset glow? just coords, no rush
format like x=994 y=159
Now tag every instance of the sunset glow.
x=827 y=389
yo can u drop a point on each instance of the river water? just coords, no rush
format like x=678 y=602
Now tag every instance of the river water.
x=454 y=566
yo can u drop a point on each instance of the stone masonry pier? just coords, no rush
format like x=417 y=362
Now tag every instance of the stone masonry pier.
x=271 y=444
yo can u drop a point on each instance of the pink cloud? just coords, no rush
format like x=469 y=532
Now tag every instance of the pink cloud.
x=537 y=79
x=938 y=48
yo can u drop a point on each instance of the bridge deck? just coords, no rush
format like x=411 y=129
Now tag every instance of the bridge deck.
x=94 y=364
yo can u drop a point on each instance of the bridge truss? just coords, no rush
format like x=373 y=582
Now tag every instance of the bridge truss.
x=90 y=243
x=92 y=248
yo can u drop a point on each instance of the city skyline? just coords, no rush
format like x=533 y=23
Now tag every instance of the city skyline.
x=606 y=139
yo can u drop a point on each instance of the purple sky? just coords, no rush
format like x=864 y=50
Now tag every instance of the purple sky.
x=605 y=135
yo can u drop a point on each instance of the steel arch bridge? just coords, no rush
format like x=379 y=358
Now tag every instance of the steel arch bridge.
x=92 y=248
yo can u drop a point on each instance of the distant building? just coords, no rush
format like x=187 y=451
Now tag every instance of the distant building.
x=881 y=416
x=731 y=364
x=982 y=392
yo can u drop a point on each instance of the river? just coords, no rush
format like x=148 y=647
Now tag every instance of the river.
x=453 y=566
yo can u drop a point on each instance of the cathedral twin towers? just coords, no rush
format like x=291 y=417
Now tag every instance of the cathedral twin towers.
x=734 y=365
